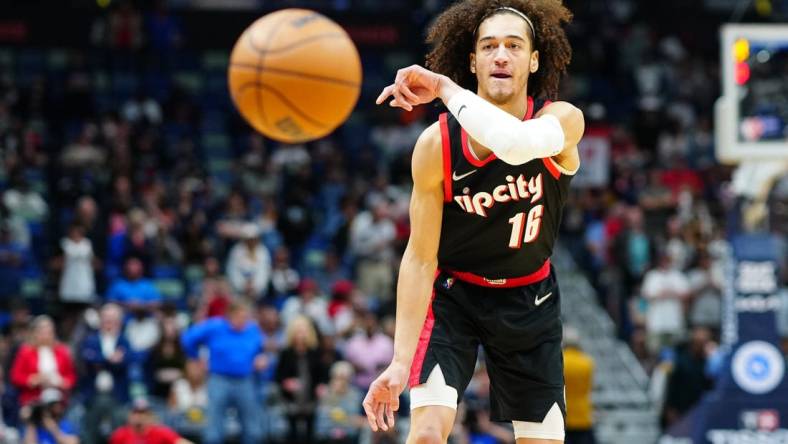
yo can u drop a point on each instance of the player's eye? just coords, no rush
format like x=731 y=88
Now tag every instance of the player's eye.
x=514 y=45
x=487 y=47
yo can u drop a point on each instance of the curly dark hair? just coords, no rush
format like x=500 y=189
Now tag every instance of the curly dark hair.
x=452 y=36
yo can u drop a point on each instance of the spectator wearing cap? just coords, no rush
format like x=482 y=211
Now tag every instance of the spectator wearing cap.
x=45 y=422
x=235 y=347
x=579 y=379
x=43 y=363
x=143 y=428
x=249 y=264
x=310 y=303
x=340 y=309
x=369 y=350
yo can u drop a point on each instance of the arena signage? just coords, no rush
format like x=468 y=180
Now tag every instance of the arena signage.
x=747 y=437
x=749 y=403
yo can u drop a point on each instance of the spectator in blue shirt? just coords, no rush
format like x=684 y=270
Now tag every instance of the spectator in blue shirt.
x=134 y=291
x=235 y=346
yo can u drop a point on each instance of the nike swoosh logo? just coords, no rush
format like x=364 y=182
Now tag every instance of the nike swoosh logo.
x=538 y=301
x=459 y=111
x=455 y=177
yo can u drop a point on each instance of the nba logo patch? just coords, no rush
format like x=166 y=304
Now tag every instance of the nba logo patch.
x=448 y=283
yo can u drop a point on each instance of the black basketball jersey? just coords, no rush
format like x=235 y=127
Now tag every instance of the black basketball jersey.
x=500 y=221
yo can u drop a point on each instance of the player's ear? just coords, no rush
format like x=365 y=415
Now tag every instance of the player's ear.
x=473 y=63
x=534 y=62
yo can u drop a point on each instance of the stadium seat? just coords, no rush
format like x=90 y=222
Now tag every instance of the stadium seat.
x=191 y=81
x=32 y=287
x=172 y=290
x=166 y=272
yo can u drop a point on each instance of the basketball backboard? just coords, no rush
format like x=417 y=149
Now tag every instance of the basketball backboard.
x=751 y=118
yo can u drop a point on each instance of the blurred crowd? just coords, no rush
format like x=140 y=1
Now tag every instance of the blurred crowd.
x=167 y=275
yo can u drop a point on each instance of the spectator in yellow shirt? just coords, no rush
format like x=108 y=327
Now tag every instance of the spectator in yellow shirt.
x=578 y=376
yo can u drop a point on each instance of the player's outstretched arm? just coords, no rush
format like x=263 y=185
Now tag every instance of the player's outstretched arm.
x=512 y=140
x=574 y=126
x=417 y=273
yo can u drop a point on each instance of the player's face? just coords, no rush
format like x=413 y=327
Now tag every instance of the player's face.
x=503 y=57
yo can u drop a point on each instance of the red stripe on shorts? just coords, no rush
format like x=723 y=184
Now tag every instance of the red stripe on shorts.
x=421 y=350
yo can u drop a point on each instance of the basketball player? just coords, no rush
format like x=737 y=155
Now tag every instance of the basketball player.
x=490 y=181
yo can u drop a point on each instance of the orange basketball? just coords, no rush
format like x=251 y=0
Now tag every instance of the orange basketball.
x=294 y=75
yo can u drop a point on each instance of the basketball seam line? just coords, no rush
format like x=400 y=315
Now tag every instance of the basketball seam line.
x=258 y=99
x=298 y=43
x=296 y=74
x=284 y=99
x=252 y=45
x=261 y=61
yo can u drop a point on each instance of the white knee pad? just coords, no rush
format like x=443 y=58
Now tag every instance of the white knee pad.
x=434 y=392
x=552 y=427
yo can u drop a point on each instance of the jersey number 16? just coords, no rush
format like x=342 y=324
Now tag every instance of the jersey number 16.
x=526 y=229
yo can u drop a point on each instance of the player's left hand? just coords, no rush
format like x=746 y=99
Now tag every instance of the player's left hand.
x=413 y=86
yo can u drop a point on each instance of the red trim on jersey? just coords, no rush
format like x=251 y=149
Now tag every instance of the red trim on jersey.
x=446 y=142
x=529 y=111
x=548 y=162
x=529 y=108
x=424 y=342
x=469 y=156
x=536 y=276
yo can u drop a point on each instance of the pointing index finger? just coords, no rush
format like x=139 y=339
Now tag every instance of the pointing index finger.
x=384 y=94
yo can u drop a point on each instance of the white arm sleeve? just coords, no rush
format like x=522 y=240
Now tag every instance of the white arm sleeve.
x=513 y=141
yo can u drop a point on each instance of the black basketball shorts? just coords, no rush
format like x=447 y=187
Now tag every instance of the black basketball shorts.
x=520 y=331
